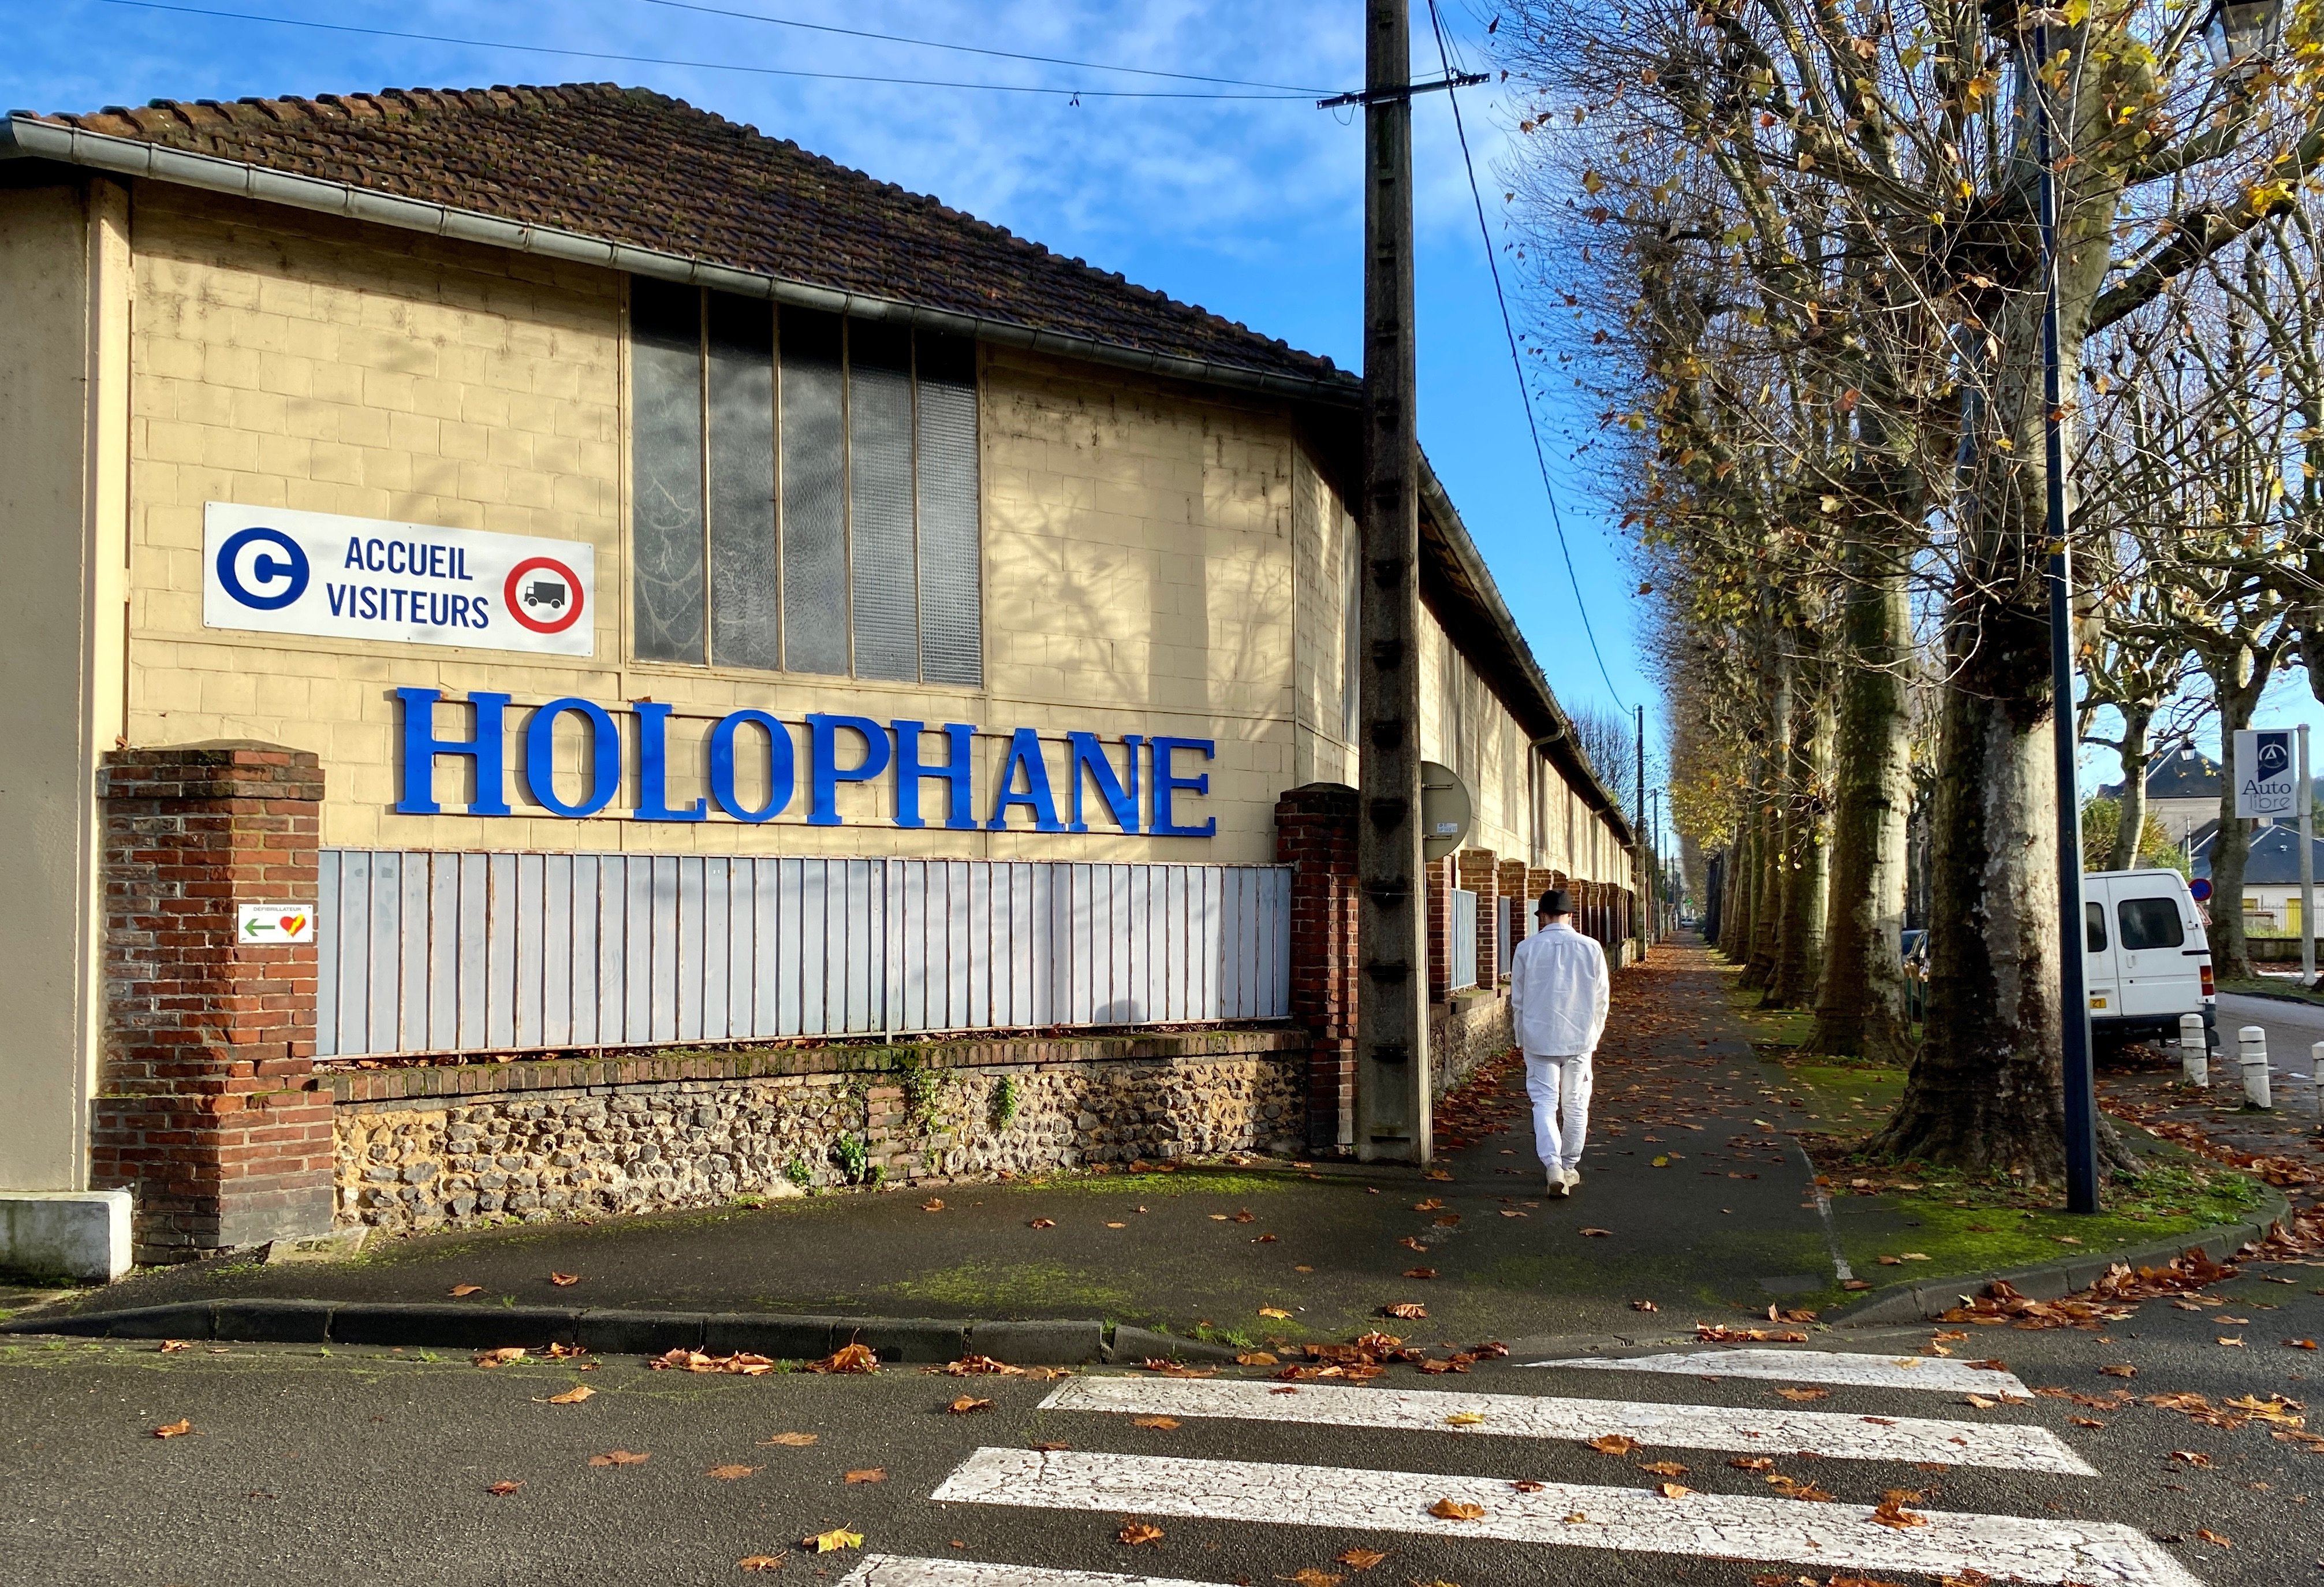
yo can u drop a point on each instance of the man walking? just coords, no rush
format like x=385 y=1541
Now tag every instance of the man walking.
x=1557 y=1006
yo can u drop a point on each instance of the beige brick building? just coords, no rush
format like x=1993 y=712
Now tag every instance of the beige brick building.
x=828 y=450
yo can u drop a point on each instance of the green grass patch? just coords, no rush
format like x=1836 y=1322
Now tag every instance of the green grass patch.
x=1184 y=1182
x=1846 y=1096
x=1001 y=1288
x=2272 y=986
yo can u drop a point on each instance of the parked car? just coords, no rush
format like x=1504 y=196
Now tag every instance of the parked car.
x=2147 y=960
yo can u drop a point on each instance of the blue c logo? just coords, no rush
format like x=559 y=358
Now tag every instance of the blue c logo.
x=282 y=579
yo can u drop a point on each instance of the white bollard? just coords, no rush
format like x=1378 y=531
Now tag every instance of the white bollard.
x=2316 y=1074
x=2194 y=1050
x=2253 y=1042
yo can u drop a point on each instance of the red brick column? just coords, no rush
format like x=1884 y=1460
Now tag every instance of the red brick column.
x=1316 y=836
x=1479 y=871
x=205 y=1107
x=1439 y=930
x=1513 y=880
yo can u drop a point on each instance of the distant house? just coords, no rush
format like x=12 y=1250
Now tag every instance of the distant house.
x=2271 y=874
x=2182 y=792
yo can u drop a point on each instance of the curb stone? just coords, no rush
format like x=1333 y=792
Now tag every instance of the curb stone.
x=1925 y=1299
x=1073 y=1343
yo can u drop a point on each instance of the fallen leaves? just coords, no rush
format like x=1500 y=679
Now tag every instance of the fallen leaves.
x=760 y=1562
x=1257 y=1358
x=831 y=1542
x=981 y=1366
x=500 y=1357
x=1719 y=1333
x=1752 y=1462
x=848 y=1359
x=458 y=1290
x=1155 y=1423
x=169 y=1346
x=1673 y=1489
x=1464 y=1419
x=1613 y=1444
x=2119 y=1370
x=1360 y=1559
x=502 y=1490
x=1525 y=1485
x=1042 y=1224
x=565 y=1280
x=742 y=1363
x=2235 y=1342
x=1644 y=1305
x=2191 y=1457
x=2209 y=1537
x=1410 y=1311
x=934 y=1204
x=1793 y=1488
x=1139 y=1533
x=867 y=1474
x=731 y=1474
x=176 y=1429
x=1664 y=1468
x=1418 y=1273
x=1276 y=1312
x=791 y=1440
x=1597 y=1233
x=967 y=1405
x=621 y=1457
x=573 y=1395
x=1802 y=1396
x=1890 y=1512
x=1979 y=1401
x=2299 y=1344
x=1456 y=1510
x=1309 y=1576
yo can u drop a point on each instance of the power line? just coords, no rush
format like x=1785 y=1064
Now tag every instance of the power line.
x=1517 y=361
x=1299 y=96
x=818 y=27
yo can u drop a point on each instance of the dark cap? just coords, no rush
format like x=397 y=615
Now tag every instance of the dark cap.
x=1557 y=901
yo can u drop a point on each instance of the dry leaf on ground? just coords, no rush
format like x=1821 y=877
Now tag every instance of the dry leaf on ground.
x=503 y=1489
x=1597 y=1233
x=791 y=1440
x=968 y=1403
x=869 y=1474
x=1752 y=1462
x=2120 y=1370
x=1360 y=1559
x=1802 y=1396
x=573 y=1395
x=846 y=1359
x=500 y=1357
x=1664 y=1468
x=1138 y=1533
x=830 y=1541
x=1979 y=1401
x=934 y=1204
x=1160 y=1423
x=1257 y=1358
x=1410 y=1311
x=2207 y=1536
x=565 y=1280
x=1526 y=1485
x=1420 y=1272
x=168 y=1346
x=460 y=1289
x=2192 y=1457
x=1042 y=1224
x=1644 y=1305
x=695 y=1360
x=176 y=1429
x=730 y=1473
x=1309 y=1576
x=1464 y=1419
x=1891 y=1513
x=760 y=1562
x=620 y=1457
x=1276 y=1312
x=1455 y=1510
x=982 y=1366
x=1614 y=1443
x=1672 y=1489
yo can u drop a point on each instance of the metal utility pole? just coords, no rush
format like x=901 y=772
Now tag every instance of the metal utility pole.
x=1392 y=1085
x=2307 y=796
x=1647 y=886
x=2073 y=993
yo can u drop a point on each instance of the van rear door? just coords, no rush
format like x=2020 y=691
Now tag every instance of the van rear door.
x=2100 y=974
x=2153 y=923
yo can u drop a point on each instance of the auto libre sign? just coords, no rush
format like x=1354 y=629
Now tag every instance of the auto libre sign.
x=273 y=571
x=1039 y=787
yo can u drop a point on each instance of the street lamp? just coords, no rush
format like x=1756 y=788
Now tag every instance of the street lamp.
x=2239 y=31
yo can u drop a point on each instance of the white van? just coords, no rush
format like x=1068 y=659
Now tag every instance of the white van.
x=2148 y=960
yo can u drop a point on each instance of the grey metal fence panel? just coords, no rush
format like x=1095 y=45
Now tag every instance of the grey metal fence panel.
x=1464 y=938
x=421 y=951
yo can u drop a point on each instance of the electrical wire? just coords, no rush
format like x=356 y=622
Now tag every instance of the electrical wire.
x=1517 y=361
x=1076 y=94
x=818 y=27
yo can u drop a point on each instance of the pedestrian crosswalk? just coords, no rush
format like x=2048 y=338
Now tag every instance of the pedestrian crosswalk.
x=1515 y=1507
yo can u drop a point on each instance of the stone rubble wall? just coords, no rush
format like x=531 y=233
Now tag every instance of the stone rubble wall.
x=532 y=1154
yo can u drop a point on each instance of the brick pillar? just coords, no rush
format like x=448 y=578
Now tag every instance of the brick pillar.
x=1479 y=872
x=1439 y=930
x=205 y=1107
x=1316 y=836
x=1513 y=881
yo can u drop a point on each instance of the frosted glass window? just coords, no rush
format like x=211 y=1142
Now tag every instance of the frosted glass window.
x=885 y=586
x=806 y=490
x=665 y=437
x=814 y=493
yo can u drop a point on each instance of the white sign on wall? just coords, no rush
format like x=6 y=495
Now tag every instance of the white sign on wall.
x=273 y=925
x=2266 y=778
x=275 y=570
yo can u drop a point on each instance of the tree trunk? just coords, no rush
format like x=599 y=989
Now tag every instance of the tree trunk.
x=2136 y=751
x=1799 y=953
x=1735 y=918
x=1860 y=1002
x=2235 y=689
x=1774 y=797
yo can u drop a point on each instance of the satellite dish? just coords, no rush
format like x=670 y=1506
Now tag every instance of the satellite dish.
x=1446 y=810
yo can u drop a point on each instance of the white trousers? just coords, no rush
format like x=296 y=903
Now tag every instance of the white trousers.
x=1560 y=1090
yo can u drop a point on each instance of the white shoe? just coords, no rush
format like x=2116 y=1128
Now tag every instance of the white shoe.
x=1572 y=1180
x=1557 y=1183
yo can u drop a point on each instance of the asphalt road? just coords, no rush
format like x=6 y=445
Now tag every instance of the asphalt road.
x=2292 y=1030
x=309 y=1466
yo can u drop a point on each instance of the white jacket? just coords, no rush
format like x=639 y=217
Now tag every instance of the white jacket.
x=1557 y=993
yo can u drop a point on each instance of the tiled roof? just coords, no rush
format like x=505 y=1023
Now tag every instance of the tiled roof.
x=630 y=166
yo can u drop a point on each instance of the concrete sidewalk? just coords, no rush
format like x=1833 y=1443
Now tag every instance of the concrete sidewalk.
x=1693 y=1198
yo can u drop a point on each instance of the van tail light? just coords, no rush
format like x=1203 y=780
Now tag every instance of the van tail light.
x=2208 y=990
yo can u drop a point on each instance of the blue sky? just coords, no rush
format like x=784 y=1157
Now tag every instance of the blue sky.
x=1253 y=210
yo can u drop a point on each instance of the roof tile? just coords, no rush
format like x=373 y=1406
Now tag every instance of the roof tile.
x=634 y=166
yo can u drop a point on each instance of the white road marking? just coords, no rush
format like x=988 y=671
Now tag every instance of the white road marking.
x=1829 y=1537
x=1812 y=1366
x=890 y=1570
x=1838 y=1435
